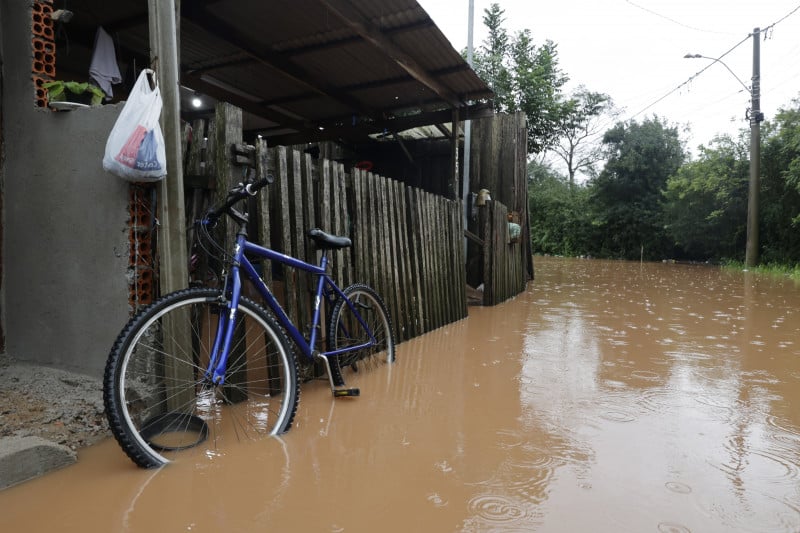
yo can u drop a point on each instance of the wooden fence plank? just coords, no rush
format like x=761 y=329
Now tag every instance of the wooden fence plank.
x=375 y=249
x=422 y=240
x=345 y=227
x=358 y=223
x=415 y=259
x=264 y=198
x=447 y=257
x=336 y=222
x=404 y=285
x=298 y=238
x=380 y=222
x=432 y=244
x=445 y=283
x=459 y=248
x=437 y=241
x=309 y=205
x=390 y=282
x=282 y=218
x=449 y=251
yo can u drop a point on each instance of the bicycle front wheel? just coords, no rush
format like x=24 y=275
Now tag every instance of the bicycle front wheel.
x=160 y=401
x=345 y=330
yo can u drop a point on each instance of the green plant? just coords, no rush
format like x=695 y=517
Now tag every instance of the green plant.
x=57 y=90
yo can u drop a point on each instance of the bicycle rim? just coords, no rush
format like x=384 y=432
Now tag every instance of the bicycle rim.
x=161 y=404
x=345 y=330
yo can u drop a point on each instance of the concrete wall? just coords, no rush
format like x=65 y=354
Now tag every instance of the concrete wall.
x=65 y=291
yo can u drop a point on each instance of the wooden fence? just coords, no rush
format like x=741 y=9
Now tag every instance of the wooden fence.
x=499 y=164
x=504 y=269
x=407 y=244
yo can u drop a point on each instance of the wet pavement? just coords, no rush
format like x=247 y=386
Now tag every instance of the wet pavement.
x=608 y=397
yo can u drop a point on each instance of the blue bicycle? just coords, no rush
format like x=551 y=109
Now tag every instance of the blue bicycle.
x=203 y=368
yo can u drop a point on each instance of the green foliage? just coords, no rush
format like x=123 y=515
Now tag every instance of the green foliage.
x=780 y=188
x=626 y=196
x=524 y=77
x=649 y=199
x=560 y=224
x=777 y=270
x=706 y=202
x=57 y=90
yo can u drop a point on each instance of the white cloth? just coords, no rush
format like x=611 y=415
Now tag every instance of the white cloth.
x=104 y=69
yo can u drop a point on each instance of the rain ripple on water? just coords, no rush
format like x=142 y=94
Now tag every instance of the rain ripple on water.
x=495 y=510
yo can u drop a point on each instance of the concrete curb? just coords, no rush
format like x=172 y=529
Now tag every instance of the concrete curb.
x=24 y=458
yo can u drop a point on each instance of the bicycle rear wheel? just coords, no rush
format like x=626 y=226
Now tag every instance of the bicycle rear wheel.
x=345 y=330
x=160 y=404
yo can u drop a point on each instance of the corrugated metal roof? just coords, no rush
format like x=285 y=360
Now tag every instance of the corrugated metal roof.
x=307 y=69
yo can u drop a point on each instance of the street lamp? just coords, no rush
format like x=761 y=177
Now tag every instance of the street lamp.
x=756 y=116
x=698 y=56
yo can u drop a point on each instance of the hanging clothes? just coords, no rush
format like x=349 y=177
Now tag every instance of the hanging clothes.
x=104 y=70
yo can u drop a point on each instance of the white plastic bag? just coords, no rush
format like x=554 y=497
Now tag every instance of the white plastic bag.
x=135 y=147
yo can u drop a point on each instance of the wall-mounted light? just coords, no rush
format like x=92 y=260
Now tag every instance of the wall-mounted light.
x=196 y=101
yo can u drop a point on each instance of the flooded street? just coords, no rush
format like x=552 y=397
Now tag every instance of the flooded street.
x=610 y=396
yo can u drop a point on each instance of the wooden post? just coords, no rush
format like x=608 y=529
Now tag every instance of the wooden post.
x=164 y=56
x=454 y=191
x=296 y=200
x=174 y=270
x=264 y=198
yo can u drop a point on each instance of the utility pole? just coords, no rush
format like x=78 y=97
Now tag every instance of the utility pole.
x=756 y=116
x=468 y=125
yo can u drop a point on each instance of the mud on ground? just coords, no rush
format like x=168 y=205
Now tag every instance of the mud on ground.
x=60 y=406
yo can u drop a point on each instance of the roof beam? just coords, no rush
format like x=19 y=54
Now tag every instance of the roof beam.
x=353 y=18
x=377 y=84
x=218 y=92
x=363 y=130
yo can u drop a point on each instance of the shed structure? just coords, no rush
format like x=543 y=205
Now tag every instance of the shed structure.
x=333 y=79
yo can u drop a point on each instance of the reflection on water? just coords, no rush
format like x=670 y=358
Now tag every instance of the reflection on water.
x=610 y=396
x=677 y=377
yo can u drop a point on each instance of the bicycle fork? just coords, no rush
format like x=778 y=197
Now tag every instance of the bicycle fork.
x=218 y=357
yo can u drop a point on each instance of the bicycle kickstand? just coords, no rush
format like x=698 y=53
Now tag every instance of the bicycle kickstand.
x=336 y=380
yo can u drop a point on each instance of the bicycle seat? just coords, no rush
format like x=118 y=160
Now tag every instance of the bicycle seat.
x=325 y=241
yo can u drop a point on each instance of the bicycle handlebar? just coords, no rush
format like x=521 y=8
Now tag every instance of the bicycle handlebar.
x=235 y=195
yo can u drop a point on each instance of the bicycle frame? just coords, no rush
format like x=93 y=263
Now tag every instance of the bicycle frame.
x=233 y=289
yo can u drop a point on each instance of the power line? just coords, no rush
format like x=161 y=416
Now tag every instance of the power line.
x=692 y=78
x=789 y=14
x=634 y=4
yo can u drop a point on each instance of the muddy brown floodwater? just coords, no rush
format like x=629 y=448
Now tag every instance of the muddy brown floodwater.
x=608 y=397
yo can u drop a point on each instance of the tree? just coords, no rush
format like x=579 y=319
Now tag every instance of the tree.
x=524 y=78
x=706 y=202
x=627 y=195
x=580 y=131
x=780 y=188
x=559 y=219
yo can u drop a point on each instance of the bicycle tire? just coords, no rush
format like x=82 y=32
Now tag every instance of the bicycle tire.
x=344 y=330
x=159 y=403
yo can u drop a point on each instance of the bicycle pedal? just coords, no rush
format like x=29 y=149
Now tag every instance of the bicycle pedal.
x=338 y=393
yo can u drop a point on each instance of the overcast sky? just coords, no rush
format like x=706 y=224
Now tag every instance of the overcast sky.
x=634 y=51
